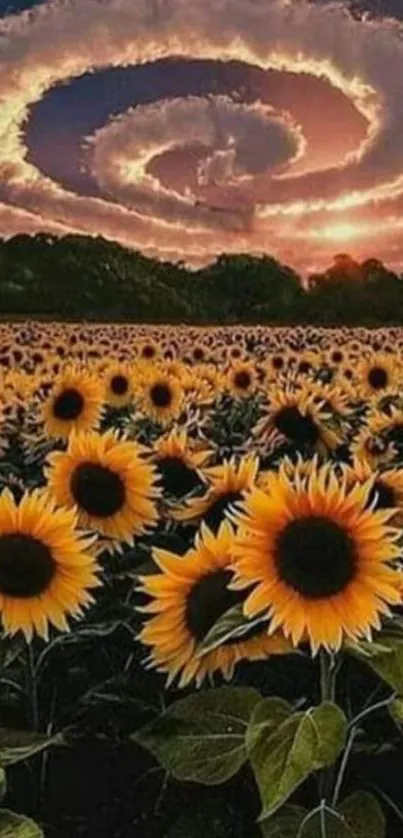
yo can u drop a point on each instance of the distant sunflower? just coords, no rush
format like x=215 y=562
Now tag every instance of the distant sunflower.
x=319 y=560
x=334 y=398
x=148 y=350
x=337 y=356
x=188 y=596
x=347 y=372
x=75 y=403
x=297 y=418
x=241 y=379
x=226 y=485
x=235 y=352
x=161 y=397
x=109 y=483
x=377 y=373
x=46 y=567
x=118 y=385
x=179 y=462
x=199 y=353
x=391 y=427
x=387 y=486
x=377 y=441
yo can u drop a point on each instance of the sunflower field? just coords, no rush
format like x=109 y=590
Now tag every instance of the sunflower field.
x=201 y=582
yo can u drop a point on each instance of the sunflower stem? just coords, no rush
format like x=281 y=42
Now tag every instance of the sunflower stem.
x=327 y=676
x=329 y=666
x=32 y=690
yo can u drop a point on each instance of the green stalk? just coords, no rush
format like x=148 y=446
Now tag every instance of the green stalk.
x=328 y=671
x=32 y=688
x=327 y=680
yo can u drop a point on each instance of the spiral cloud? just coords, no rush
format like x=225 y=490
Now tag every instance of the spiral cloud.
x=187 y=128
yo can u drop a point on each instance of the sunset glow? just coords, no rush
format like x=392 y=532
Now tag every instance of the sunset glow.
x=279 y=122
x=342 y=232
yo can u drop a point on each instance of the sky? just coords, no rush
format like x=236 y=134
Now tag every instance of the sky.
x=188 y=128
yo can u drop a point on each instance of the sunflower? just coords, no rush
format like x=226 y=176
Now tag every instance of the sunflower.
x=227 y=482
x=46 y=567
x=241 y=379
x=334 y=398
x=336 y=356
x=118 y=385
x=387 y=486
x=148 y=350
x=378 y=440
x=376 y=374
x=179 y=462
x=318 y=559
x=188 y=596
x=295 y=416
x=391 y=426
x=277 y=362
x=161 y=397
x=106 y=479
x=198 y=353
x=75 y=403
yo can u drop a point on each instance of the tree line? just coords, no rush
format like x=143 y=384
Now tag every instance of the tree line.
x=82 y=277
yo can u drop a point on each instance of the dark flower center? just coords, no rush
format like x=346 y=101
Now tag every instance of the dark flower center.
x=148 y=352
x=315 y=556
x=207 y=601
x=242 y=380
x=395 y=433
x=119 y=385
x=177 y=478
x=216 y=512
x=26 y=566
x=383 y=494
x=161 y=395
x=378 y=378
x=198 y=354
x=68 y=404
x=299 y=429
x=337 y=356
x=304 y=366
x=97 y=490
x=277 y=362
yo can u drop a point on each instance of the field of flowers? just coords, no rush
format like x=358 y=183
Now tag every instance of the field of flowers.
x=201 y=580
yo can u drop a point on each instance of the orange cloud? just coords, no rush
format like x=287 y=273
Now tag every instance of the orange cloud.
x=252 y=179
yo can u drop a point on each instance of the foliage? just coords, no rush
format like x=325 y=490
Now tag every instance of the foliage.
x=65 y=277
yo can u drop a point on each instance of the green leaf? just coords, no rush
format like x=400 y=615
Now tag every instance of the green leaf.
x=16 y=746
x=17 y=826
x=3 y=783
x=324 y=822
x=233 y=624
x=202 y=737
x=396 y=710
x=284 y=824
x=365 y=649
x=216 y=819
x=266 y=716
x=364 y=815
x=388 y=664
x=331 y=728
x=10 y=650
x=285 y=748
x=282 y=750
x=359 y=816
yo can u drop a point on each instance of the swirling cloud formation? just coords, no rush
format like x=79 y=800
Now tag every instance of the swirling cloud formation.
x=298 y=153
